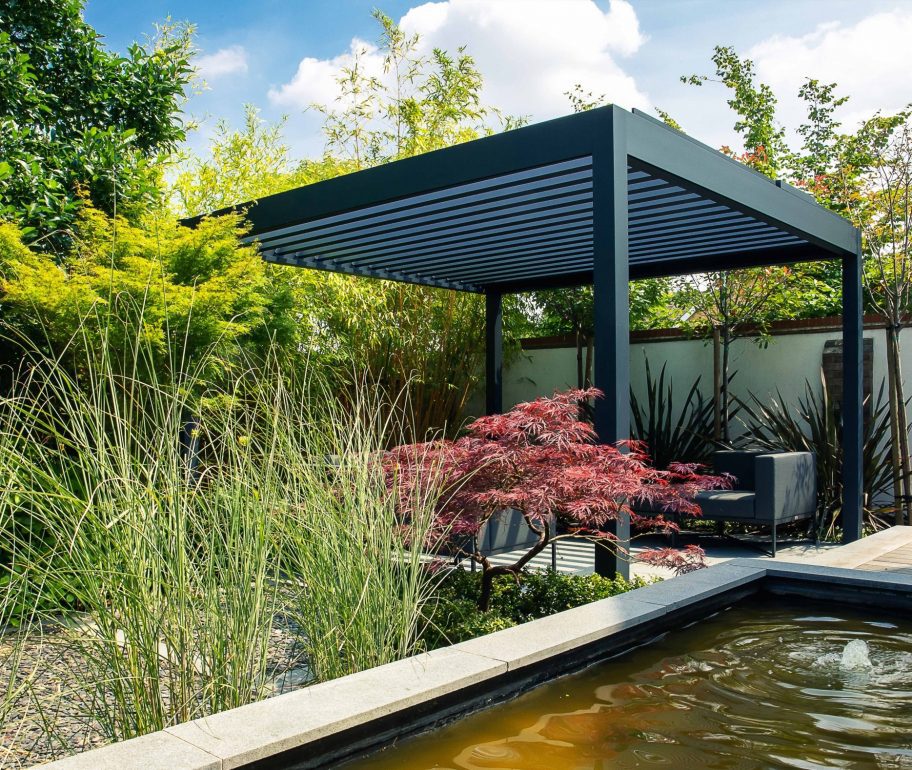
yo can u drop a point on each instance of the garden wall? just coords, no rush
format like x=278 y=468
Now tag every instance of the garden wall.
x=791 y=354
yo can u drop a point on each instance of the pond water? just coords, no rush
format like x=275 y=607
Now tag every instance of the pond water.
x=761 y=685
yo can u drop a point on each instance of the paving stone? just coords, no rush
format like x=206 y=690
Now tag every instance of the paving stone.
x=532 y=642
x=156 y=751
x=697 y=586
x=263 y=729
x=867 y=549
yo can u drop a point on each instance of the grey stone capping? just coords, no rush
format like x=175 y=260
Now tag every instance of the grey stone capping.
x=259 y=730
x=155 y=751
x=561 y=633
x=839 y=575
x=695 y=587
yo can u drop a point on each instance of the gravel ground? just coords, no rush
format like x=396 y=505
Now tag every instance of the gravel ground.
x=45 y=716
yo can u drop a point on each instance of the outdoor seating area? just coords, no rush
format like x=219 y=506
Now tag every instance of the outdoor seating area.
x=769 y=489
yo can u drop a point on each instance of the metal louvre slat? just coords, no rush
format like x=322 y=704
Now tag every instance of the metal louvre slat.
x=462 y=271
x=555 y=225
x=503 y=186
x=487 y=253
x=675 y=211
x=684 y=224
x=445 y=233
x=680 y=199
x=784 y=239
x=386 y=275
x=704 y=235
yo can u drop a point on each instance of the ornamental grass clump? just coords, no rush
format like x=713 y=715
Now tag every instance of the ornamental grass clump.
x=184 y=522
x=540 y=459
x=363 y=584
x=174 y=568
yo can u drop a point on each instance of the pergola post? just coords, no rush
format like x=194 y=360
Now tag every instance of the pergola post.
x=493 y=353
x=852 y=397
x=611 y=365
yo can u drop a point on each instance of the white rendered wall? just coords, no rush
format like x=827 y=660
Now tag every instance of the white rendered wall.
x=784 y=364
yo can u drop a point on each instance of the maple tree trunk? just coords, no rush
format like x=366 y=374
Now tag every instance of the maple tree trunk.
x=489 y=572
x=487 y=586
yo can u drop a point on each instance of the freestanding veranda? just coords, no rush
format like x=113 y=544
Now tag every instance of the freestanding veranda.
x=601 y=198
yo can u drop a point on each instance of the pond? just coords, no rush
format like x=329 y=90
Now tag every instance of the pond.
x=767 y=683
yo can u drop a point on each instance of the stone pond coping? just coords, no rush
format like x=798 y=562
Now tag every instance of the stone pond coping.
x=293 y=730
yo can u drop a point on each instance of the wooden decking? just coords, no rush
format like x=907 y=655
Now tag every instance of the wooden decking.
x=898 y=560
x=887 y=551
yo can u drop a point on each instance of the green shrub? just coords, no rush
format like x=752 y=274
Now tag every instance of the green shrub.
x=453 y=616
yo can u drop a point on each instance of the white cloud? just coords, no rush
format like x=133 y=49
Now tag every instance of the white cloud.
x=869 y=60
x=530 y=52
x=316 y=80
x=226 y=61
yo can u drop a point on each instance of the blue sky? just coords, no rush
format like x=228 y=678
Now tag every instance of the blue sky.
x=282 y=56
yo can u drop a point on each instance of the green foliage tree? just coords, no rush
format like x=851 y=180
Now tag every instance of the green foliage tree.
x=871 y=185
x=428 y=338
x=243 y=165
x=395 y=334
x=726 y=302
x=422 y=103
x=196 y=291
x=78 y=121
x=864 y=176
x=754 y=103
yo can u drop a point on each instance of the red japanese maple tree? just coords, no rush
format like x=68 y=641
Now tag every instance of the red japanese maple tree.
x=542 y=461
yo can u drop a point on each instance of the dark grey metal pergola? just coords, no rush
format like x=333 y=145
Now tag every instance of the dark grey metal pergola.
x=601 y=197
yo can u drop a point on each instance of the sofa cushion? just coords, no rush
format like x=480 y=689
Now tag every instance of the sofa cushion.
x=725 y=504
x=740 y=464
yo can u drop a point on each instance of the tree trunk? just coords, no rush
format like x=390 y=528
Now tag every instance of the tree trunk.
x=726 y=345
x=717 y=384
x=590 y=346
x=905 y=462
x=489 y=572
x=895 y=458
x=579 y=360
x=487 y=586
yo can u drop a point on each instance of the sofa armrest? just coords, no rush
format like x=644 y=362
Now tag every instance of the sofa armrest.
x=786 y=485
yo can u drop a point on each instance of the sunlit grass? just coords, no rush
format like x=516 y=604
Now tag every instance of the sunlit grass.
x=183 y=556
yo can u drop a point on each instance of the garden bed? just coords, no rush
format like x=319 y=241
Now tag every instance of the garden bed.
x=52 y=715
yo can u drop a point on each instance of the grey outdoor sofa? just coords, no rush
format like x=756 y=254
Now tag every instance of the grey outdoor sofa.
x=771 y=488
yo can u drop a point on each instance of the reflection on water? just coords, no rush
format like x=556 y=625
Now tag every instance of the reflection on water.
x=757 y=686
